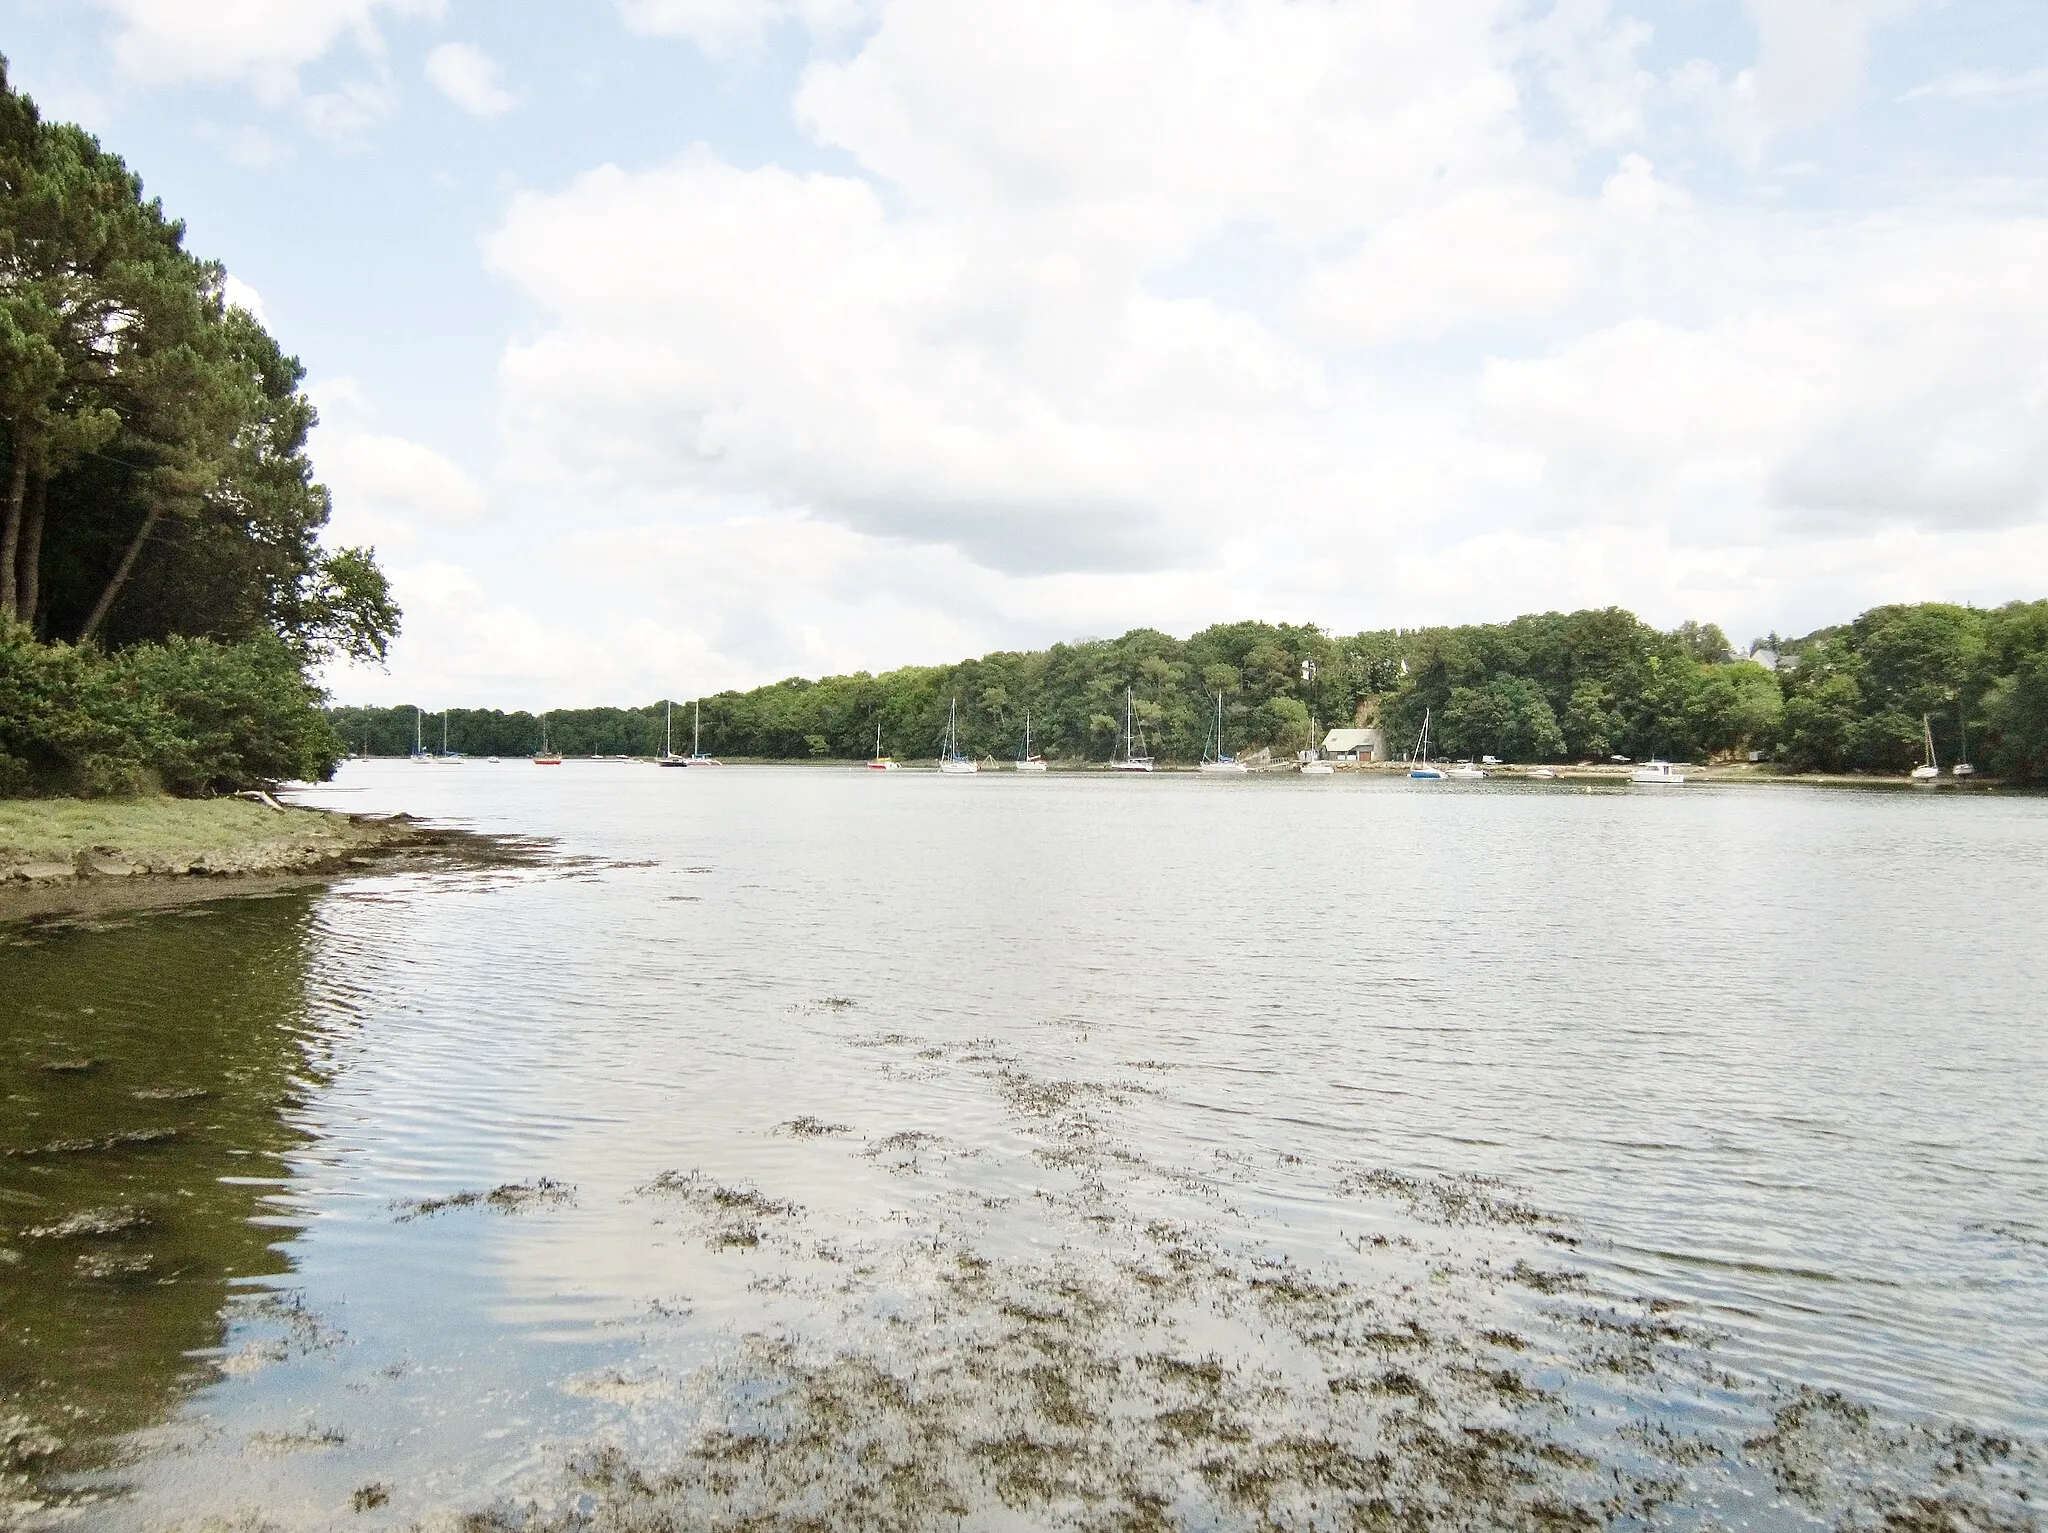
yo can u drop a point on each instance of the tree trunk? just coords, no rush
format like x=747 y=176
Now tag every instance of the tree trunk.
x=29 y=597
x=106 y=601
x=10 y=541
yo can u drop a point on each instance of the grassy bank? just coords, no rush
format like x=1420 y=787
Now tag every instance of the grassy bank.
x=59 y=855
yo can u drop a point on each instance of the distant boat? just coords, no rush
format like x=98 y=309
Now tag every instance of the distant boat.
x=1657 y=774
x=446 y=754
x=1134 y=759
x=1028 y=762
x=1541 y=772
x=546 y=757
x=419 y=749
x=879 y=762
x=1929 y=769
x=1465 y=771
x=1312 y=763
x=697 y=756
x=1418 y=763
x=951 y=762
x=1219 y=762
x=668 y=756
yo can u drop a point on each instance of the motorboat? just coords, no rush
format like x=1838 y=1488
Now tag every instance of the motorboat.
x=951 y=761
x=1134 y=759
x=1541 y=771
x=1218 y=762
x=1465 y=771
x=1028 y=762
x=1657 y=774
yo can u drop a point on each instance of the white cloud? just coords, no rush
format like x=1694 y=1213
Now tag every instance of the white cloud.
x=261 y=43
x=469 y=79
x=1891 y=375
x=1980 y=85
x=244 y=297
x=737 y=26
x=385 y=487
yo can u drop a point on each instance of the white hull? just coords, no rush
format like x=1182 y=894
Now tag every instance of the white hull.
x=1657 y=774
x=959 y=768
x=1130 y=766
x=1317 y=769
x=882 y=764
x=1468 y=774
x=1225 y=768
x=1926 y=773
x=1031 y=766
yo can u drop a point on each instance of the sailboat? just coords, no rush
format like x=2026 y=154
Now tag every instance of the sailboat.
x=1929 y=769
x=697 y=756
x=1219 y=762
x=1133 y=760
x=669 y=758
x=1418 y=764
x=1962 y=768
x=952 y=763
x=1028 y=762
x=879 y=762
x=419 y=749
x=1312 y=763
x=446 y=754
x=546 y=757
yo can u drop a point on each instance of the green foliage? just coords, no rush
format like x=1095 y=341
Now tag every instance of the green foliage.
x=1550 y=686
x=159 y=520
x=188 y=715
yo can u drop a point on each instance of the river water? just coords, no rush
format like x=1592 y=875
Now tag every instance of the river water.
x=906 y=1151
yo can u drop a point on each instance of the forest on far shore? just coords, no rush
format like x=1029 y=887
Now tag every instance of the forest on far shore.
x=1545 y=687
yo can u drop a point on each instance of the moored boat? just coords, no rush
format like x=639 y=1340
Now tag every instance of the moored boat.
x=1028 y=762
x=1218 y=762
x=668 y=756
x=879 y=762
x=951 y=761
x=1134 y=759
x=1657 y=774
x=1418 y=763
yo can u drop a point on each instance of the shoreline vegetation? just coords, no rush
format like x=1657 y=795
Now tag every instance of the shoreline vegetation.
x=1594 y=687
x=165 y=597
x=73 y=856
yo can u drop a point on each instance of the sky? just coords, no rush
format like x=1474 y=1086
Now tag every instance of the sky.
x=664 y=346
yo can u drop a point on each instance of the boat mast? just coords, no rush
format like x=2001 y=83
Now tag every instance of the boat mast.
x=668 y=727
x=696 y=727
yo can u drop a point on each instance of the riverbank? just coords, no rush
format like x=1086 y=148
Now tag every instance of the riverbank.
x=62 y=855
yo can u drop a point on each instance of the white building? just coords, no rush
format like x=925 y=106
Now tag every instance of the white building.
x=1369 y=744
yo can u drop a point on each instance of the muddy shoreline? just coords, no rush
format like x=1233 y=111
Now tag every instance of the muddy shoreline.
x=311 y=847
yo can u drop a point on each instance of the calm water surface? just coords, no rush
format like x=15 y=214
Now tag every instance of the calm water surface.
x=779 y=1053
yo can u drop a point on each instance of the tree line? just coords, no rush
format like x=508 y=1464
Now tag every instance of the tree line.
x=156 y=502
x=1576 y=686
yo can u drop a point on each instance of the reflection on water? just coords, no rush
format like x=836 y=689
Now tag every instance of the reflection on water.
x=148 y=1067
x=898 y=1151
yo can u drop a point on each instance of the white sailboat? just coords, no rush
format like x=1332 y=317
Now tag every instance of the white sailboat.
x=1962 y=768
x=952 y=763
x=545 y=756
x=697 y=756
x=1311 y=759
x=878 y=762
x=446 y=754
x=1929 y=768
x=668 y=757
x=1028 y=762
x=1219 y=762
x=1134 y=760
x=419 y=748
x=1418 y=764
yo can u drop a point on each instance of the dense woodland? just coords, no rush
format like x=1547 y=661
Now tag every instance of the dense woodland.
x=1550 y=687
x=163 y=588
